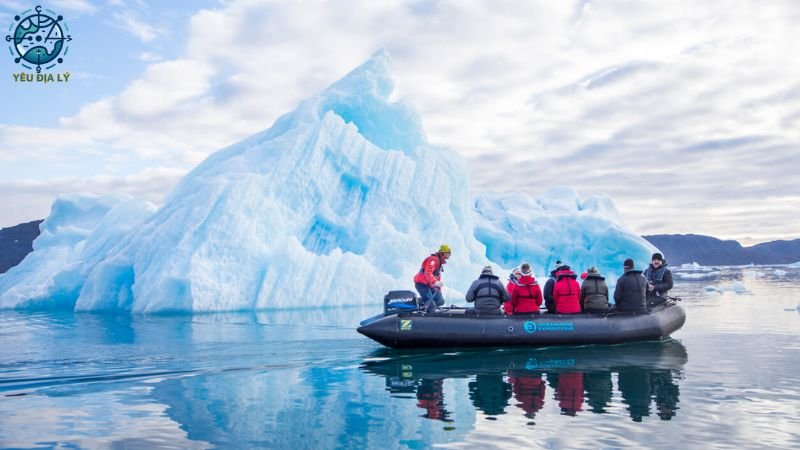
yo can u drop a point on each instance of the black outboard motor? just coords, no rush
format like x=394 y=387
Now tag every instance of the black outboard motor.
x=395 y=302
x=400 y=301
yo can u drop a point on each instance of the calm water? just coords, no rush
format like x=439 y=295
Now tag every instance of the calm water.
x=305 y=379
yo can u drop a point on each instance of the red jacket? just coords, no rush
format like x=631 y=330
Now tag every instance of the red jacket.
x=507 y=305
x=567 y=293
x=529 y=392
x=570 y=392
x=527 y=297
x=430 y=271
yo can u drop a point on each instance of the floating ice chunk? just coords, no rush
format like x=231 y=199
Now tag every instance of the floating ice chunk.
x=780 y=273
x=697 y=275
x=736 y=287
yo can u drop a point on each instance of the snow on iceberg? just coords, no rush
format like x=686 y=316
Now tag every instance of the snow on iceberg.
x=79 y=232
x=336 y=203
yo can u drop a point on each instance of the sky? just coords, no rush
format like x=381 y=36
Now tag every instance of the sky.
x=687 y=113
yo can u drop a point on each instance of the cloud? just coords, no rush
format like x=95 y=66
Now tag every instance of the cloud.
x=31 y=199
x=78 y=6
x=128 y=20
x=677 y=109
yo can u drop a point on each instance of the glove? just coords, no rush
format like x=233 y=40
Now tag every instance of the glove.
x=438 y=284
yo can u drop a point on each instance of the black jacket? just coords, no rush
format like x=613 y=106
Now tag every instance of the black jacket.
x=630 y=292
x=488 y=293
x=594 y=293
x=660 y=278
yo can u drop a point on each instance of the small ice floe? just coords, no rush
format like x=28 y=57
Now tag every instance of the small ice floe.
x=780 y=273
x=695 y=271
x=737 y=287
x=753 y=274
x=697 y=275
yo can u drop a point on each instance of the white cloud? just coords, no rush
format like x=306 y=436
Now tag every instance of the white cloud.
x=79 y=6
x=677 y=109
x=128 y=20
x=149 y=57
x=31 y=199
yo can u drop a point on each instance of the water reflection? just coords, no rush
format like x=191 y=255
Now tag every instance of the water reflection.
x=580 y=379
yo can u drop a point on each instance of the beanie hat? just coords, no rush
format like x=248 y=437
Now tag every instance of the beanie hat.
x=628 y=264
x=487 y=269
x=444 y=248
x=657 y=256
x=593 y=271
x=526 y=269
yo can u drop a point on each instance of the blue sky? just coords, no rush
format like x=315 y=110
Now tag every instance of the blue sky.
x=686 y=113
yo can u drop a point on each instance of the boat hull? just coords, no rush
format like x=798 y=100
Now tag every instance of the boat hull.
x=459 y=328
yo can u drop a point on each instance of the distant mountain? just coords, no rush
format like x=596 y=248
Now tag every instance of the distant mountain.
x=707 y=250
x=16 y=242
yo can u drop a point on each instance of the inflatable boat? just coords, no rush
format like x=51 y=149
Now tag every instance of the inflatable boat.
x=404 y=325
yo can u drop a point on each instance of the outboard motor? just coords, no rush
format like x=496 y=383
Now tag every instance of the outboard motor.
x=395 y=302
x=400 y=301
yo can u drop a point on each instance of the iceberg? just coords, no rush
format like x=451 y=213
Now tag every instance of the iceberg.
x=557 y=226
x=79 y=232
x=336 y=203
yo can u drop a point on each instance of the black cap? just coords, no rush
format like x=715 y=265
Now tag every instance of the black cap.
x=657 y=256
x=628 y=264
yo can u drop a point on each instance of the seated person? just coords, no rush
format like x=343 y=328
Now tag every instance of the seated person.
x=629 y=295
x=659 y=280
x=567 y=292
x=526 y=296
x=594 y=292
x=487 y=292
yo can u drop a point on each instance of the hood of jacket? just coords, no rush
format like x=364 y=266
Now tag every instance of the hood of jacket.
x=527 y=280
x=565 y=273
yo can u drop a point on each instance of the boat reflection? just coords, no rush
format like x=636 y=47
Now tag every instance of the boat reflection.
x=579 y=378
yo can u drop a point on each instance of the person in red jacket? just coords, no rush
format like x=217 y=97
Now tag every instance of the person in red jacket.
x=570 y=392
x=527 y=295
x=428 y=280
x=567 y=292
x=529 y=390
x=513 y=282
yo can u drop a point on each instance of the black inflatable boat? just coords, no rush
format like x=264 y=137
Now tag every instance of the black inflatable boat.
x=403 y=325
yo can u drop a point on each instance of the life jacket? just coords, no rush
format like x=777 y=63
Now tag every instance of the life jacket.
x=422 y=277
x=492 y=287
x=655 y=275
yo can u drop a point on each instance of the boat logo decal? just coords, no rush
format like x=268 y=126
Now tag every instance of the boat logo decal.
x=405 y=325
x=533 y=327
